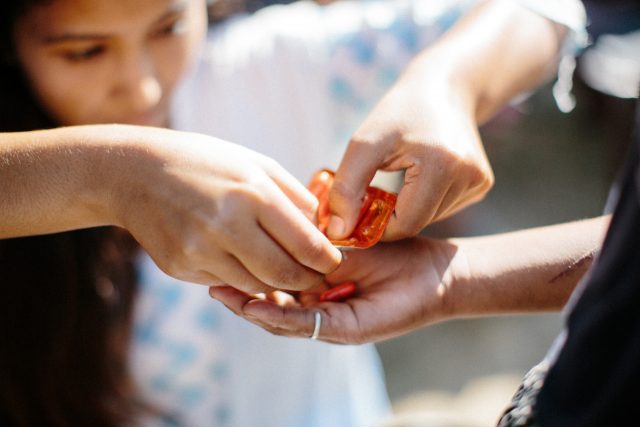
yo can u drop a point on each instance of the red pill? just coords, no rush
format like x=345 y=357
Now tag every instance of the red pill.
x=339 y=292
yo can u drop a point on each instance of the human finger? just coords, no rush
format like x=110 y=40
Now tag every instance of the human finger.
x=418 y=201
x=263 y=259
x=281 y=298
x=231 y=297
x=244 y=305
x=233 y=272
x=292 y=321
x=357 y=168
x=472 y=195
x=298 y=236
x=292 y=188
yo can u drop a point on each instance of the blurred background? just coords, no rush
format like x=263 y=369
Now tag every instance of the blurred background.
x=549 y=167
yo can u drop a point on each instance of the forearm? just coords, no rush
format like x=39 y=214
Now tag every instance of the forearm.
x=496 y=51
x=524 y=271
x=56 y=180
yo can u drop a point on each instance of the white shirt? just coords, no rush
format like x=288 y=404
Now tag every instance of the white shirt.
x=291 y=82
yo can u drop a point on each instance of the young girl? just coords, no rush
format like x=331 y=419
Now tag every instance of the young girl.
x=290 y=82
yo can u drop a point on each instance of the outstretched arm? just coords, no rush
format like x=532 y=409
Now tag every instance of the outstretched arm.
x=412 y=283
x=206 y=210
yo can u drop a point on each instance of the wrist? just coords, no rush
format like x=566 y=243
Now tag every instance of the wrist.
x=56 y=180
x=443 y=275
x=444 y=78
x=496 y=51
x=113 y=154
x=456 y=281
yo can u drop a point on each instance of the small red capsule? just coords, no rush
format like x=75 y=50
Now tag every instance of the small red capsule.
x=339 y=292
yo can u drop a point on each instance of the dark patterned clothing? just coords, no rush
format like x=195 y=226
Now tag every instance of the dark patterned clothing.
x=591 y=375
x=591 y=378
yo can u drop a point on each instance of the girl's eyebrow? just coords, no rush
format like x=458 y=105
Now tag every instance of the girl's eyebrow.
x=174 y=9
x=73 y=37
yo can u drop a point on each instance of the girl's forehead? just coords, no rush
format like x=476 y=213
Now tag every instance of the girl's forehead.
x=101 y=15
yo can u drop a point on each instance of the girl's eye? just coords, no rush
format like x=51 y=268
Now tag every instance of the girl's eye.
x=174 y=27
x=85 y=54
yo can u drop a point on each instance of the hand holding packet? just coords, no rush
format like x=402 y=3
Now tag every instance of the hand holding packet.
x=377 y=207
x=376 y=210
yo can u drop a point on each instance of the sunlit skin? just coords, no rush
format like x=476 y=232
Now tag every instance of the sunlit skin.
x=109 y=61
x=205 y=210
x=405 y=285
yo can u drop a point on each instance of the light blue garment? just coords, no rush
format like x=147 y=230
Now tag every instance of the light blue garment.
x=207 y=367
x=291 y=82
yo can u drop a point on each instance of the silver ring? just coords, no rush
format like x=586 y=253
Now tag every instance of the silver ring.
x=316 y=327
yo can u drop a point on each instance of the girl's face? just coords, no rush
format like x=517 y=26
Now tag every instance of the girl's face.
x=109 y=61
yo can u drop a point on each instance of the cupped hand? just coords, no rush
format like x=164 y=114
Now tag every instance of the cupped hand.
x=401 y=286
x=212 y=212
x=424 y=126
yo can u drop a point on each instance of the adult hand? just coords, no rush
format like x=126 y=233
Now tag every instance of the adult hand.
x=404 y=285
x=401 y=286
x=426 y=128
x=212 y=212
x=427 y=123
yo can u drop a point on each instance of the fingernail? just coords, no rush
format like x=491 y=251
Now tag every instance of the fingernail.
x=336 y=227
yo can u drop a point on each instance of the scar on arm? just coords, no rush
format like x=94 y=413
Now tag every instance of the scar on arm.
x=576 y=265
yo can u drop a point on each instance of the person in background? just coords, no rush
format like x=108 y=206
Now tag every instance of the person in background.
x=589 y=268
x=94 y=332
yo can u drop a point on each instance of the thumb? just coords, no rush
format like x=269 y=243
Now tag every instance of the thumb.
x=356 y=170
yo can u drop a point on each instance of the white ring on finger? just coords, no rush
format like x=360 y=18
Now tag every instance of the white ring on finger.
x=316 y=326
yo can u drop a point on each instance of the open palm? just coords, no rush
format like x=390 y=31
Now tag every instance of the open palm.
x=401 y=286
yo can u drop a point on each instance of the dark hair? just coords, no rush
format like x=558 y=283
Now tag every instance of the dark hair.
x=19 y=108
x=65 y=299
x=65 y=304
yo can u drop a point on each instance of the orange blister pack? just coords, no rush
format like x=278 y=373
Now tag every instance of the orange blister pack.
x=375 y=213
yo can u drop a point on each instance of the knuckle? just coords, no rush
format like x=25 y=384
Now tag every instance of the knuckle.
x=288 y=278
x=192 y=246
x=174 y=267
x=312 y=250
x=253 y=179
x=252 y=288
x=480 y=177
x=271 y=164
x=296 y=279
x=416 y=142
x=247 y=284
x=241 y=198
x=449 y=161
x=486 y=179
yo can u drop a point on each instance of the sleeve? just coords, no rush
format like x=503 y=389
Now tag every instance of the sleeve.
x=571 y=14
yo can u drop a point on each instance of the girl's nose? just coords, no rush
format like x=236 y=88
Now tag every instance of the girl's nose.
x=149 y=91
x=139 y=85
